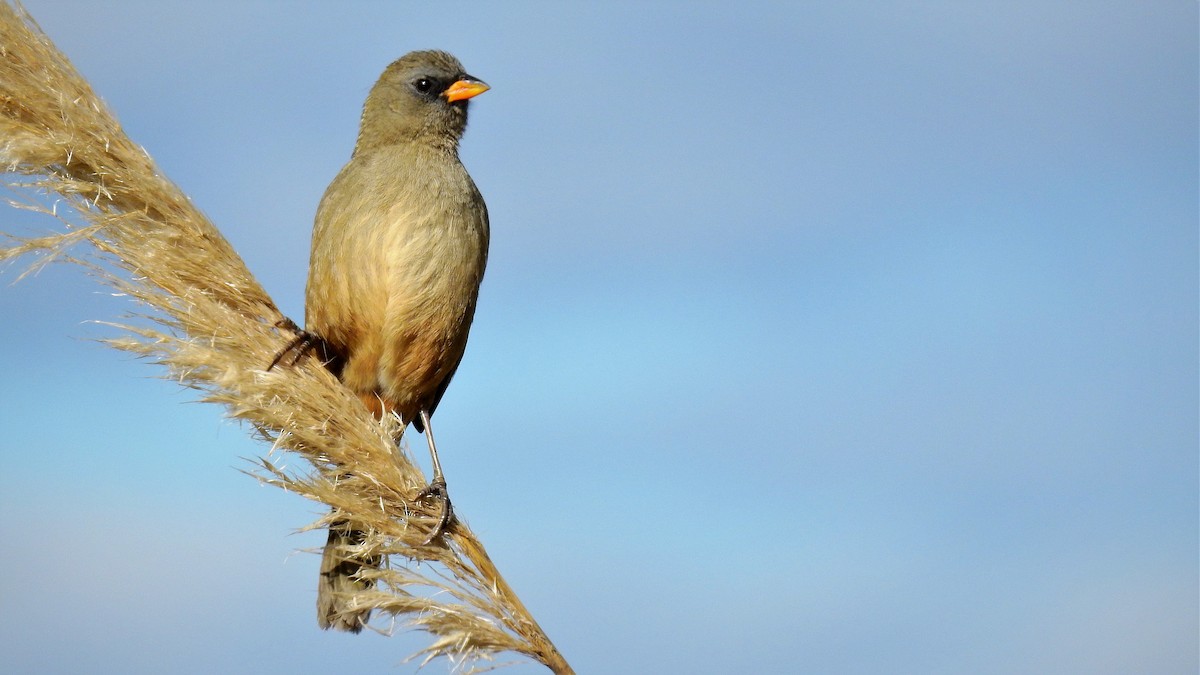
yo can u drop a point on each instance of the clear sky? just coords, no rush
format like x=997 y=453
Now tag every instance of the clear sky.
x=848 y=337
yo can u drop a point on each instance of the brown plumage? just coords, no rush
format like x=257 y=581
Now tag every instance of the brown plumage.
x=398 y=253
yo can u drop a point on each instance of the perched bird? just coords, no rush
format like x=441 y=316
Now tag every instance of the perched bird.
x=398 y=252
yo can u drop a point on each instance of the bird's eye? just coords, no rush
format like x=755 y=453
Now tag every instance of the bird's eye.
x=423 y=85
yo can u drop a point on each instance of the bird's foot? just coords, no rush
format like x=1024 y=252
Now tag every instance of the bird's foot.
x=300 y=345
x=288 y=325
x=436 y=490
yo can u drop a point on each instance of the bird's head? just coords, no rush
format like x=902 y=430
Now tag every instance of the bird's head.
x=421 y=97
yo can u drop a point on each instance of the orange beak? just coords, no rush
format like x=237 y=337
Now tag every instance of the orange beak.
x=464 y=89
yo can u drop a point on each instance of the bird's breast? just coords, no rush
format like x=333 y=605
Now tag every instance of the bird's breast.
x=397 y=263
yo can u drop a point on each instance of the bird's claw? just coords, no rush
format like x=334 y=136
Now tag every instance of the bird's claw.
x=437 y=490
x=288 y=325
x=299 y=345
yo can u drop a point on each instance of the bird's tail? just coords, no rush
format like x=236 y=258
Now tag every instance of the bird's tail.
x=340 y=579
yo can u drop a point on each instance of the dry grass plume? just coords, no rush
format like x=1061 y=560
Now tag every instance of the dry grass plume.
x=215 y=329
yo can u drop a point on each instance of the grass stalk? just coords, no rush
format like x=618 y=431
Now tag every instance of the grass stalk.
x=215 y=329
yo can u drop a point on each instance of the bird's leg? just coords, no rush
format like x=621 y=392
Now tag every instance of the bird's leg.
x=437 y=486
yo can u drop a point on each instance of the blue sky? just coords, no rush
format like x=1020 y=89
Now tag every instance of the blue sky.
x=854 y=338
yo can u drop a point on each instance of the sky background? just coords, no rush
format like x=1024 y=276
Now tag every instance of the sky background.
x=816 y=337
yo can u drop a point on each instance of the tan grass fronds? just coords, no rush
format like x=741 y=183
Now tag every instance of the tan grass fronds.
x=216 y=330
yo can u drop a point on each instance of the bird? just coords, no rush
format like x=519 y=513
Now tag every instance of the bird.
x=399 y=248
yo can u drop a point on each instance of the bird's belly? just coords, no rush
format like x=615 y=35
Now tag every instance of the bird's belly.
x=432 y=286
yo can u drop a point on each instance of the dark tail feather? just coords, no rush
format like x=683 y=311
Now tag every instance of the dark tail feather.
x=339 y=580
